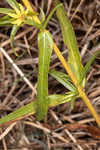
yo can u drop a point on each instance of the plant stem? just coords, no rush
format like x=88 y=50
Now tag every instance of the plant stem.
x=80 y=90
x=67 y=68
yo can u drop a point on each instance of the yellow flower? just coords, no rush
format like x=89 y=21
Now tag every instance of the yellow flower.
x=19 y=15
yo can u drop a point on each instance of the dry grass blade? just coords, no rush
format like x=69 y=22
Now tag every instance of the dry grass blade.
x=46 y=130
x=17 y=69
x=7 y=130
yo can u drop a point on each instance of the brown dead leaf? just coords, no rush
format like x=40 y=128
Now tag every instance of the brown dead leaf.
x=92 y=130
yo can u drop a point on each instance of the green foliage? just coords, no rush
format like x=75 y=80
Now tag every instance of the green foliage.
x=64 y=79
x=32 y=23
x=45 y=44
x=5 y=21
x=31 y=108
x=74 y=59
x=13 y=3
x=50 y=15
x=6 y=11
x=87 y=66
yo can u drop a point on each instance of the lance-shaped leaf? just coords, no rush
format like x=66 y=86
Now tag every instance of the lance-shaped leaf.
x=31 y=108
x=74 y=59
x=12 y=35
x=63 y=79
x=87 y=66
x=13 y=3
x=45 y=45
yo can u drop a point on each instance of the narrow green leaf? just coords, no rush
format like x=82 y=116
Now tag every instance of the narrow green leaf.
x=12 y=35
x=50 y=15
x=63 y=79
x=5 y=21
x=31 y=108
x=6 y=10
x=19 y=113
x=45 y=45
x=13 y=3
x=87 y=66
x=74 y=59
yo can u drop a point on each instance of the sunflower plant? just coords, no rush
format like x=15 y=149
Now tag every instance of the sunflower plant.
x=74 y=80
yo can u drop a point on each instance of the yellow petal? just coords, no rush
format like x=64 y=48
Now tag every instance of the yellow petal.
x=28 y=5
x=13 y=15
x=17 y=22
x=17 y=10
x=21 y=8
